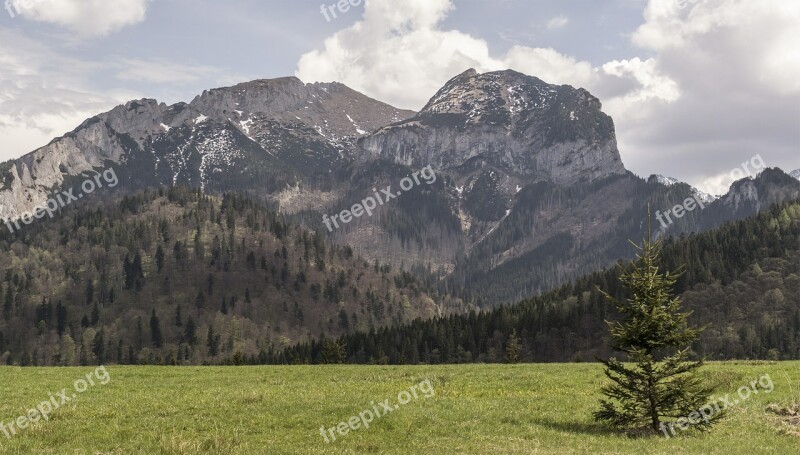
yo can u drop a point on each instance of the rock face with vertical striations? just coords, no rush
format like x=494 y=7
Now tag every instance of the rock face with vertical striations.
x=516 y=124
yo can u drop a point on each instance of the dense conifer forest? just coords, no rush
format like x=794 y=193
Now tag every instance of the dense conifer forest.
x=743 y=279
x=173 y=276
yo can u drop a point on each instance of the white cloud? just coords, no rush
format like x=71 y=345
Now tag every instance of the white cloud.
x=557 y=22
x=402 y=56
x=733 y=65
x=396 y=54
x=550 y=66
x=34 y=108
x=83 y=17
x=715 y=85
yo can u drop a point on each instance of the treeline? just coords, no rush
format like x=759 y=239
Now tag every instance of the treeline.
x=174 y=276
x=742 y=278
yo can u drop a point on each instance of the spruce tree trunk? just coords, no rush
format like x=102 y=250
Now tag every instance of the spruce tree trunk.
x=651 y=398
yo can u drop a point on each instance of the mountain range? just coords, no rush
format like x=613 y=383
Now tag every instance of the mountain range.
x=530 y=192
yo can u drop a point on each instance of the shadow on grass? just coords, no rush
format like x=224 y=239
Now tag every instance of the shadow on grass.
x=589 y=428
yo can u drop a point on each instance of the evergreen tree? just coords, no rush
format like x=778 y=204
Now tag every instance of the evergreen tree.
x=190 y=334
x=212 y=341
x=159 y=258
x=344 y=321
x=95 y=314
x=127 y=270
x=61 y=318
x=138 y=272
x=139 y=334
x=89 y=292
x=98 y=347
x=659 y=385
x=155 y=330
x=513 y=348
x=8 y=303
x=333 y=351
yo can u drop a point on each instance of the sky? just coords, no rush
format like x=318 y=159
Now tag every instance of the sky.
x=695 y=87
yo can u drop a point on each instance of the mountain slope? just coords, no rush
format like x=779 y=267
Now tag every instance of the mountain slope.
x=123 y=281
x=742 y=278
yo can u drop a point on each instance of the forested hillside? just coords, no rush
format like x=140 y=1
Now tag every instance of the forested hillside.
x=176 y=276
x=742 y=278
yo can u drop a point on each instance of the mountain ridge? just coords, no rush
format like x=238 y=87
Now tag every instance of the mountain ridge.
x=525 y=170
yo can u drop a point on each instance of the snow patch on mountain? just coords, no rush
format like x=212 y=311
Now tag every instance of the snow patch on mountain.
x=217 y=154
x=667 y=181
x=706 y=198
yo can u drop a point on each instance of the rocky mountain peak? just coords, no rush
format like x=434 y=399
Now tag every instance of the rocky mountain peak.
x=333 y=109
x=511 y=99
x=490 y=95
x=261 y=95
x=768 y=187
x=516 y=123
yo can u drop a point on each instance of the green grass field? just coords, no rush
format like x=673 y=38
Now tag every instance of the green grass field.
x=476 y=409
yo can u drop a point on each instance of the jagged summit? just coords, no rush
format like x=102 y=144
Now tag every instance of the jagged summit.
x=517 y=100
x=518 y=124
x=332 y=108
x=490 y=93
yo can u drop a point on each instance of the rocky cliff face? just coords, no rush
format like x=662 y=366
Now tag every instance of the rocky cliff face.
x=496 y=133
x=517 y=124
x=276 y=129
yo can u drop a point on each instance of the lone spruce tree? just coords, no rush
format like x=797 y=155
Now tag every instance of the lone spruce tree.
x=657 y=385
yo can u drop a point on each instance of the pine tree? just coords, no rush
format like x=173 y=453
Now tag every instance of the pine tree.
x=61 y=318
x=126 y=268
x=190 y=334
x=8 y=303
x=333 y=351
x=513 y=348
x=155 y=330
x=159 y=258
x=212 y=342
x=95 y=314
x=659 y=384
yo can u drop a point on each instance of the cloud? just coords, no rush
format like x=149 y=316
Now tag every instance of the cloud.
x=161 y=71
x=733 y=65
x=550 y=66
x=397 y=54
x=402 y=56
x=83 y=17
x=557 y=22
x=33 y=108
x=715 y=84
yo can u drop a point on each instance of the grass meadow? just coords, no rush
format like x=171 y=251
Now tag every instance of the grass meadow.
x=474 y=409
